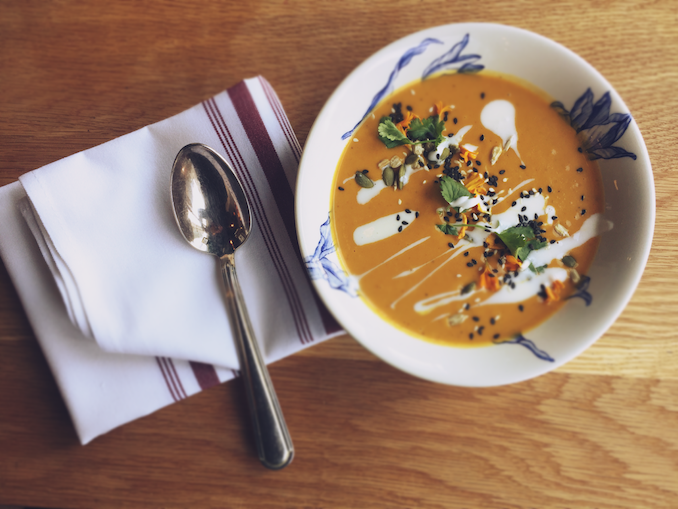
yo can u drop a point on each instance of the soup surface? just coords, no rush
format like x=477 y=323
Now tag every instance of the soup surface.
x=466 y=210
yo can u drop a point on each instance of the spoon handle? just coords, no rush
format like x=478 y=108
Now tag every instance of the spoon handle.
x=274 y=444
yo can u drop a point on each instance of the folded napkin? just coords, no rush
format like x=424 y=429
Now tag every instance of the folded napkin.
x=130 y=317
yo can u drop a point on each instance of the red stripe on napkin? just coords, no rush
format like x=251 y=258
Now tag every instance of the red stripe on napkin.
x=172 y=381
x=281 y=117
x=268 y=157
x=270 y=162
x=240 y=168
x=205 y=374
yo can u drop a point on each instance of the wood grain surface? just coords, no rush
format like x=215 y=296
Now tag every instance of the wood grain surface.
x=600 y=432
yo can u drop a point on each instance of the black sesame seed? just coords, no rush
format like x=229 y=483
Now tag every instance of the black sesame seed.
x=579 y=150
x=582 y=197
x=405 y=223
x=454 y=120
x=554 y=217
x=496 y=336
x=476 y=319
x=473 y=261
x=470 y=336
x=400 y=228
x=469 y=162
x=416 y=214
x=482 y=95
x=446 y=219
x=583 y=212
x=522 y=166
x=450 y=245
x=398 y=217
x=520 y=307
x=492 y=320
x=482 y=137
x=469 y=264
x=552 y=241
x=479 y=163
x=494 y=202
x=445 y=117
x=408 y=211
x=480 y=330
x=523 y=209
x=536 y=216
x=467 y=306
x=540 y=190
x=466 y=253
x=514 y=204
x=341 y=188
x=501 y=172
x=485 y=244
x=579 y=170
x=408 y=108
x=365 y=172
x=549 y=189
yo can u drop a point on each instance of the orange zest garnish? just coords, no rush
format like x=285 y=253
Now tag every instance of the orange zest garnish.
x=440 y=109
x=475 y=184
x=512 y=263
x=553 y=292
x=466 y=154
x=488 y=280
x=405 y=122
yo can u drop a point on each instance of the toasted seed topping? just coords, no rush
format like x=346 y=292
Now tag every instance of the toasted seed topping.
x=363 y=180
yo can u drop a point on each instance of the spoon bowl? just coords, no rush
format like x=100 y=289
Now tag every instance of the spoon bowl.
x=213 y=215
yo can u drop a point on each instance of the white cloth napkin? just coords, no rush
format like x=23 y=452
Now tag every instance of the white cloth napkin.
x=130 y=317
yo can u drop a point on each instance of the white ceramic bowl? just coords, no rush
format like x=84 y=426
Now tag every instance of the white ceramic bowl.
x=628 y=183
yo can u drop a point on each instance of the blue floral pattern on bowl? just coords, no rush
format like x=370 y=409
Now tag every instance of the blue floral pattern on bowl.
x=597 y=128
x=321 y=266
x=452 y=60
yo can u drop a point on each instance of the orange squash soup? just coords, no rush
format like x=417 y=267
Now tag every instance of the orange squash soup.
x=466 y=210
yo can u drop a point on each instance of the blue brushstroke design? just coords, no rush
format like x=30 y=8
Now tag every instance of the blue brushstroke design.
x=582 y=291
x=597 y=127
x=453 y=58
x=319 y=266
x=404 y=60
x=521 y=340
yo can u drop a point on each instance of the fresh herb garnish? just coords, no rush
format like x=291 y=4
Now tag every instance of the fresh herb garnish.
x=448 y=229
x=537 y=270
x=452 y=190
x=428 y=130
x=520 y=240
x=390 y=134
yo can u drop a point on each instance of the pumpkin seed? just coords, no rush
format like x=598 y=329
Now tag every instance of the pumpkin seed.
x=388 y=176
x=575 y=277
x=468 y=288
x=411 y=159
x=401 y=176
x=496 y=152
x=363 y=180
x=445 y=154
x=569 y=261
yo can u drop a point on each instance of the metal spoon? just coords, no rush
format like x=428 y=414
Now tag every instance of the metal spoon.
x=212 y=212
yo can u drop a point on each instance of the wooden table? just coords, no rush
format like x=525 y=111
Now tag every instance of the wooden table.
x=600 y=432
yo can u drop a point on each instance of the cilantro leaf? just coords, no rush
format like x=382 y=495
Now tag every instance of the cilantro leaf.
x=390 y=134
x=447 y=229
x=520 y=240
x=452 y=190
x=537 y=270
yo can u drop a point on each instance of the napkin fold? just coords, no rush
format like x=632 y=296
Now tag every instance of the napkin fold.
x=130 y=317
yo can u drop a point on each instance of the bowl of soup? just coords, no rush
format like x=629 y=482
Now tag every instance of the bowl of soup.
x=475 y=204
